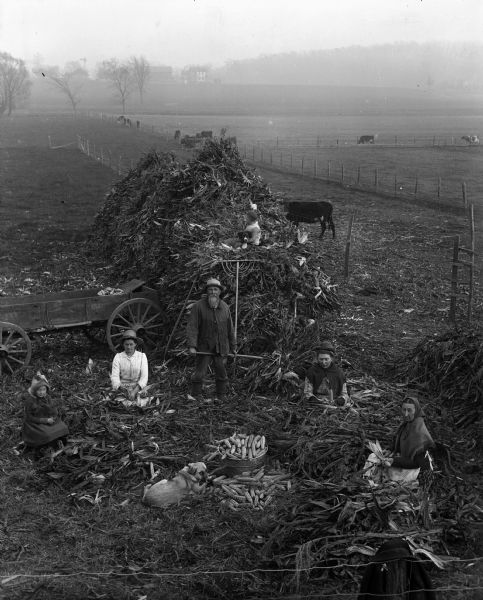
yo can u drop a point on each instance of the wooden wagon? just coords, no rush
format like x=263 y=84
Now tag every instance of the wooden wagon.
x=137 y=307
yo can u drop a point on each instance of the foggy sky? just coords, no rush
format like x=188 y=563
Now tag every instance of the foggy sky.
x=182 y=32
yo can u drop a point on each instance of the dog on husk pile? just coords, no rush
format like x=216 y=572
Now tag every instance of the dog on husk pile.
x=191 y=479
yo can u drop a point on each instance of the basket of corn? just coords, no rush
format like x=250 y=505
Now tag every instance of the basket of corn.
x=239 y=453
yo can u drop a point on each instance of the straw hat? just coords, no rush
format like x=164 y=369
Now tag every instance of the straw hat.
x=129 y=334
x=212 y=282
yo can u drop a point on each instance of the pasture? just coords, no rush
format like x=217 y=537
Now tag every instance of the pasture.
x=108 y=545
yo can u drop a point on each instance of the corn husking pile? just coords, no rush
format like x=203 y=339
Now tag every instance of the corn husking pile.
x=174 y=225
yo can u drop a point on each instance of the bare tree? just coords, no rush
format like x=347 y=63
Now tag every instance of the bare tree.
x=141 y=74
x=120 y=75
x=14 y=82
x=69 y=81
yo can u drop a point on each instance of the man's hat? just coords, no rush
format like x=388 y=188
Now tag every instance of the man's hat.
x=212 y=282
x=325 y=346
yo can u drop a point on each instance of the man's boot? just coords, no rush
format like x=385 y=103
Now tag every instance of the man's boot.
x=221 y=390
x=197 y=390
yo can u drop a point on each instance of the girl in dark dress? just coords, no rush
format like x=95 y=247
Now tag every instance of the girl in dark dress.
x=42 y=424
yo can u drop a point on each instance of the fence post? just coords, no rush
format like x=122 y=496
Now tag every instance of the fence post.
x=472 y=261
x=277 y=141
x=245 y=151
x=439 y=187
x=261 y=154
x=271 y=157
x=315 y=167
x=348 y=246
x=395 y=184
x=342 y=173
x=375 y=178
x=119 y=166
x=102 y=156
x=454 y=280
x=358 y=174
x=416 y=187
x=303 y=165
x=328 y=170
x=50 y=141
x=253 y=152
x=434 y=140
x=281 y=160
x=463 y=189
x=94 y=151
x=291 y=160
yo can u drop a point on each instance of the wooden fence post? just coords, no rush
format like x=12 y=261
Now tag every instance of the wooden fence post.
x=328 y=170
x=261 y=154
x=348 y=246
x=358 y=174
x=315 y=167
x=303 y=157
x=281 y=160
x=119 y=166
x=395 y=184
x=50 y=141
x=245 y=151
x=439 y=187
x=465 y=200
x=102 y=156
x=87 y=144
x=253 y=152
x=416 y=187
x=291 y=160
x=375 y=178
x=472 y=261
x=342 y=173
x=454 y=280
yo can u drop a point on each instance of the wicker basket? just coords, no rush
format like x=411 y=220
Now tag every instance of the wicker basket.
x=232 y=466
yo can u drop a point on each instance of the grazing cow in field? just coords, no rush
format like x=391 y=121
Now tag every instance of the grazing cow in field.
x=207 y=134
x=310 y=212
x=128 y=122
x=366 y=139
x=177 y=134
x=121 y=120
x=471 y=139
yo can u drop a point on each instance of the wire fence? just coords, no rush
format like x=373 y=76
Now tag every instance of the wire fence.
x=369 y=178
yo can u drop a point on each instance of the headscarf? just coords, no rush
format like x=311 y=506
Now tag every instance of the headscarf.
x=38 y=381
x=413 y=437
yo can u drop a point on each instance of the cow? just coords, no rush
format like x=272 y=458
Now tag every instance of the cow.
x=366 y=139
x=311 y=212
x=207 y=134
x=471 y=139
x=177 y=134
x=138 y=124
x=121 y=120
x=128 y=122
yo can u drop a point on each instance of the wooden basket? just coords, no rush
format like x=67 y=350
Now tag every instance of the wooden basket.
x=233 y=466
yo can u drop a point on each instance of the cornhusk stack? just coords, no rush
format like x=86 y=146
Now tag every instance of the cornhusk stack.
x=174 y=225
x=450 y=368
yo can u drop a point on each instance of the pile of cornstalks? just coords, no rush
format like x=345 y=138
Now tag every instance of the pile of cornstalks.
x=176 y=225
x=450 y=368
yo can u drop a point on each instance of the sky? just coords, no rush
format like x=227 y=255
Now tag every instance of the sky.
x=184 y=32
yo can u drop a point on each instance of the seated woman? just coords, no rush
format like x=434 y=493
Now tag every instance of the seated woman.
x=129 y=368
x=412 y=440
x=325 y=381
x=42 y=425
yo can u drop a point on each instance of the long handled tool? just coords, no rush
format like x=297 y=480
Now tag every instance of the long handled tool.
x=235 y=356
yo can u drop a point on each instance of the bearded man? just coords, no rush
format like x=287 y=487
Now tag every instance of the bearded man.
x=210 y=330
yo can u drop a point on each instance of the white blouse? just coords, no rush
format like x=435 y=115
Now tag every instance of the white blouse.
x=129 y=370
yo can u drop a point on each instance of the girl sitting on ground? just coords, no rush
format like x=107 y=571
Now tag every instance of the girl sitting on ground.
x=129 y=374
x=325 y=381
x=42 y=425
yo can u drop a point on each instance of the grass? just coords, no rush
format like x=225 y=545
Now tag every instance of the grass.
x=58 y=541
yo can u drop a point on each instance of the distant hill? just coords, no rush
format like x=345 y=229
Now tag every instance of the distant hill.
x=408 y=65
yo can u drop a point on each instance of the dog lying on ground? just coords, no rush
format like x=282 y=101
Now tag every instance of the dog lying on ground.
x=190 y=480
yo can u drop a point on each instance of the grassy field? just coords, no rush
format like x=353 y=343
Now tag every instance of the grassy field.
x=78 y=542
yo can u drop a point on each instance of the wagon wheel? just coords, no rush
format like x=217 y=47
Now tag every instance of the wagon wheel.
x=139 y=314
x=15 y=348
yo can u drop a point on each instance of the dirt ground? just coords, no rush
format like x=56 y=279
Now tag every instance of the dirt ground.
x=397 y=293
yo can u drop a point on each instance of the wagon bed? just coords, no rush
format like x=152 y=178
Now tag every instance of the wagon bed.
x=137 y=307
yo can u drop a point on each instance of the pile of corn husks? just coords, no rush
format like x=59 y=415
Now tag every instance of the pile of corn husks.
x=175 y=225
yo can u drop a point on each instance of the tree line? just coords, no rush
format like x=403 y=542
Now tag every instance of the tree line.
x=125 y=77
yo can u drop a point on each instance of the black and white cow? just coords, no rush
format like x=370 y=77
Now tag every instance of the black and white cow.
x=311 y=212
x=473 y=140
x=366 y=139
